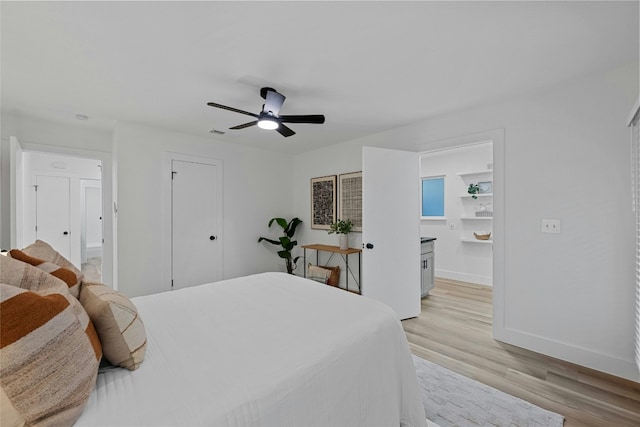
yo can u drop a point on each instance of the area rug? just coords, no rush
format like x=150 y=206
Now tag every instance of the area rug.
x=451 y=399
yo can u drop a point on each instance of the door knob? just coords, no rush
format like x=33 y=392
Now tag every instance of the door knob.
x=65 y=233
x=369 y=245
x=212 y=237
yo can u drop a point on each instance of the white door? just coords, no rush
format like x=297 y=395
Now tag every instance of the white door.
x=53 y=212
x=196 y=247
x=91 y=219
x=391 y=229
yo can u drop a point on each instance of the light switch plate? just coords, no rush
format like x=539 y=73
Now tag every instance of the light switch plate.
x=550 y=226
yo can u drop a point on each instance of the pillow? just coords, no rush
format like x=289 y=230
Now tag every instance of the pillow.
x=64 y=274
x=318 y=274
x=324 y=274
x=49 y=367
x=44 y=251
x=22 y=275
x=120 y=328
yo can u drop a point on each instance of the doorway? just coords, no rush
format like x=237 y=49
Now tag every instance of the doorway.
x=464 y=228
x=57 y=172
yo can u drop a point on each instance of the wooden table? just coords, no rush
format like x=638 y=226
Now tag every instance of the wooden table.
x=344 y=253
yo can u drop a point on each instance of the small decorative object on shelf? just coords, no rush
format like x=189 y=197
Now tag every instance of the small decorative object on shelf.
x=473 y=190
x=342 y=227
x=485 y=187
x=485 y=210
x=482 y=235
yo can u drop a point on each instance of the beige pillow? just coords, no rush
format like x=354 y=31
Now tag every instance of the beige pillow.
x=22 y=275
x=44 y=251
x=120 y=328
x=48 y=365
x=64 y=274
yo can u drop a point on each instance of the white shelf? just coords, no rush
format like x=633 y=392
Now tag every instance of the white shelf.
x=476 y=217
x=490 y=171
x=483 y=242
x=468 y=196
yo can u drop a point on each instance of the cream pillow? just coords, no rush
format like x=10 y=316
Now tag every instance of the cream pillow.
x=120 y=328
x=49 y=366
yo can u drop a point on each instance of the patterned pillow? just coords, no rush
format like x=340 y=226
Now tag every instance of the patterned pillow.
x=64 y=274
x=48 y=365
x=120 y=328
x=44 y=251
x=22 y=275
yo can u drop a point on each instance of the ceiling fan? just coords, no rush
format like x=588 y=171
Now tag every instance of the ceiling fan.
x=269 y=117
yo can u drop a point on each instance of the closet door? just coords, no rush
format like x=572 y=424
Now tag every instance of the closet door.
x=53 y=212
x=195 y=227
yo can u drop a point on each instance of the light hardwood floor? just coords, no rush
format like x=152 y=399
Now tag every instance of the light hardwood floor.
x=454 y=331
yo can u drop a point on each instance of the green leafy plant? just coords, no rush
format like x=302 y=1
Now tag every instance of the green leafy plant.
x=473 y=190
x=342 y=226
x=289 y=229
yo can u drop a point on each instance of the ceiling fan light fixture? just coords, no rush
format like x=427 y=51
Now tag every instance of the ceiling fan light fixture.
x=268 y=124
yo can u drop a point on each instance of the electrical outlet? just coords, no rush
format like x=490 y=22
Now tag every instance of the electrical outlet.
x=452 y=226
x=550 y=226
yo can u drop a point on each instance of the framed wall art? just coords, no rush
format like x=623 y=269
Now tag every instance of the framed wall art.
x=323 y=202
x=350 y=198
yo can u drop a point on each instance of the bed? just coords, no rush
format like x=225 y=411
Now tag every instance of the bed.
x=269 y=349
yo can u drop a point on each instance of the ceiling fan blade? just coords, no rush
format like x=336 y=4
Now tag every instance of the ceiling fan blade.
x=235 y=110
x=310 y=118
x=273 y=102
x=285 y=131
x=245 y=125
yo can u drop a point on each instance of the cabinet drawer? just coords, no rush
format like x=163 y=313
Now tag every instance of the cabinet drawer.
x=426 y=247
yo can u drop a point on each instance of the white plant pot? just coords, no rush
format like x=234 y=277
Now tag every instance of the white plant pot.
x=344 y=241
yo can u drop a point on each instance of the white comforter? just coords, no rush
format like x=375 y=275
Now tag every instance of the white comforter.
x=264 y=350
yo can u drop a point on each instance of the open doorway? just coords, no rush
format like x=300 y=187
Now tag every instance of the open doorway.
x=87 y=220
x=464 y=228
x=62 y=205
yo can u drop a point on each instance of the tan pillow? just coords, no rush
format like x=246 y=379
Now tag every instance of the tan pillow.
x=120 y=328
x=48 y=365
x=22 y=275
x=44 y=251
x=318 y=274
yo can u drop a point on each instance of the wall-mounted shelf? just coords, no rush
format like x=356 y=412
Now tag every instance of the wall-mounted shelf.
x=468 y=196
x=477 y=217
x=463 y=174
x=482 y=242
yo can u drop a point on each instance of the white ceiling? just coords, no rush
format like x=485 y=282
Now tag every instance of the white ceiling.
x=368 y=66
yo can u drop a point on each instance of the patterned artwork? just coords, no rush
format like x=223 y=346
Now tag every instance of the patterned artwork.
x=350 y=189
x=323 y=202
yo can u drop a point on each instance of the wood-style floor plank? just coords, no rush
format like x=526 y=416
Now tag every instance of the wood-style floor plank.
x=455 y=331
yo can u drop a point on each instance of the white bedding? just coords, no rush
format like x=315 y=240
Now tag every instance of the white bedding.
x=270 y=349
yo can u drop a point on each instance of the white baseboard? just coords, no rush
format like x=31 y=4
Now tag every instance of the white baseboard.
x=94 y=251
x=580 y=356
x=464 y=277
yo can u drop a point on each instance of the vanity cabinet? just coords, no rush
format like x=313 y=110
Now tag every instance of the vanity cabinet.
x=426 y=266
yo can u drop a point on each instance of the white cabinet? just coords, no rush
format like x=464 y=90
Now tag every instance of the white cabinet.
x=426 y=267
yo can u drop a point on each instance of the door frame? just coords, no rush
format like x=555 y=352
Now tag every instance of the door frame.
x=167 y=159
x=498 y=138
x=110 y=225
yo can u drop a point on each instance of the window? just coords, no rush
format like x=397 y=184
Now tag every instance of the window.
x=433 y=197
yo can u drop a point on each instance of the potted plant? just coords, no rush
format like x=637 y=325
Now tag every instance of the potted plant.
x=342 y=228
x=289 y=229
x=473 y=190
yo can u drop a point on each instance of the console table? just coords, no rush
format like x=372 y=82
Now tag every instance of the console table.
x=344 y=253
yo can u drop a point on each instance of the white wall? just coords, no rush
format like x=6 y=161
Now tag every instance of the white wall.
x=455 y=259
x=566 y=156
x=257 y=187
